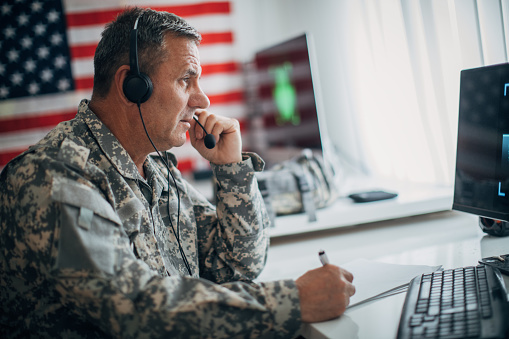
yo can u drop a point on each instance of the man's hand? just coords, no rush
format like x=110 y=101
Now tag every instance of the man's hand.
x=228 y=147
x=324 y=293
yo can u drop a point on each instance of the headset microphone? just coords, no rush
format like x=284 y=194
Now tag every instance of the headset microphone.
x=209 y=140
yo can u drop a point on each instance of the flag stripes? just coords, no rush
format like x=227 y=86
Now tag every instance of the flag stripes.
x=102 y=17
x=25 y=118
x=53 y=118
x=88 y=50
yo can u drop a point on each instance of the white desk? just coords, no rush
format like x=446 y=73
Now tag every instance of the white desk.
x=413 y=199
x=451 y=239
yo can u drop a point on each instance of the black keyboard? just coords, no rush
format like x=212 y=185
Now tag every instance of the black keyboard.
x=465 y=302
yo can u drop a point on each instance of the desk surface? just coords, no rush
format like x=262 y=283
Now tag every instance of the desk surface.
x=451 y=239
x=413 y=199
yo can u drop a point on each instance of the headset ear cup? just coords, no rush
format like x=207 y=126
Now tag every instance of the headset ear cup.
x=149 y=87
x=137 y=88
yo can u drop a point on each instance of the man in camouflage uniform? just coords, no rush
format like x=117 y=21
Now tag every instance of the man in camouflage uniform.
x=91 y=225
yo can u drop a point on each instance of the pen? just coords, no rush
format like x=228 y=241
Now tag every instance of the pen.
x=498 y=257
x=323 y=257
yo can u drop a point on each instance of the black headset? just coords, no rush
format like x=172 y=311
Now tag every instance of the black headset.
x=137 y=86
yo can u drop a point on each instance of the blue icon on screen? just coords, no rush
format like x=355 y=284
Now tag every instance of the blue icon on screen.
x=500 y=194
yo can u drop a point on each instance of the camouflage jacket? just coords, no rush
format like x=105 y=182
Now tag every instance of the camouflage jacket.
x=87 y=249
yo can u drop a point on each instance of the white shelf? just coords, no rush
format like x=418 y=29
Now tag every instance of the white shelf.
x=413 y=199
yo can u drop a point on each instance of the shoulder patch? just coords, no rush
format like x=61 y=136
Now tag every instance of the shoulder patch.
x=73 y=154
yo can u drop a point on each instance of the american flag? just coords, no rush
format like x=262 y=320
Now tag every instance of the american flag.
x=46 y=63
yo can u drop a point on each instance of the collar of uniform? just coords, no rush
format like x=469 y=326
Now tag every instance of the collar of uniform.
x=155 y=177
x=111 y=147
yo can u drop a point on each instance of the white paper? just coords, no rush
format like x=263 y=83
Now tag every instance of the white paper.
x=373 y=279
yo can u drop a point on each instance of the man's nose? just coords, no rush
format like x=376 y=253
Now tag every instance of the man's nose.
x=199 y=99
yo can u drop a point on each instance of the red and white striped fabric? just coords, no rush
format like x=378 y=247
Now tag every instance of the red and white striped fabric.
x=23 y=121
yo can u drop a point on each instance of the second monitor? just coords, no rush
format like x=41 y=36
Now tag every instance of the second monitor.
x=284 y=111
x=482 y=160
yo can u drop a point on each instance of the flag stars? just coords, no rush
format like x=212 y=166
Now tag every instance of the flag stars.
x=4 y=92
x=36 y=6
x=23 y=19
x=39 y=29
x=35 y=55
x=56 y=39
x=17 y=78
x=63 y=84
x=26 y=42
x=53 y=16
x=46 y=75
x=9 y=32
x=30 y=65
x=6 y=9
x=33 y=88
x=60 y=62
x=13 y=55
x=43 y=52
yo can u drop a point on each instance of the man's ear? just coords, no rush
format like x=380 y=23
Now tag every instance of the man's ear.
x=120 y=75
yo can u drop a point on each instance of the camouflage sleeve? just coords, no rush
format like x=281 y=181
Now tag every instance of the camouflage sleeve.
x=102 y=288
x=233 y=237
x=136 y=304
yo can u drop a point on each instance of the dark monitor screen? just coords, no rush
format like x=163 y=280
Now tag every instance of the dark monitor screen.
x=482 y=159
x=283 y=105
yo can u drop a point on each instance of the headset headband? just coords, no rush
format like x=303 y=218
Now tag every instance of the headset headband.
x=133 y=52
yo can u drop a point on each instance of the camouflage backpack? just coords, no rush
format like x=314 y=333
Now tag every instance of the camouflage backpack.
x=302 y=184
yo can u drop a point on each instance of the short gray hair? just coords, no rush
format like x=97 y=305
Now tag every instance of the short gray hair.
x=113 y=49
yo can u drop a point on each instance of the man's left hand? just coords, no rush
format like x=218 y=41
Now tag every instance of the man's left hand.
x=228 y=147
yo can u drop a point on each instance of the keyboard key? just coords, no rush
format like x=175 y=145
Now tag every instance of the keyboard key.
x=429 y=318
x=486 y=312
x=434 y=310
x=425 y=290
x=416 y=320
x=445 y=318
x=417 y=331
x=453 y=310
x=471 y=307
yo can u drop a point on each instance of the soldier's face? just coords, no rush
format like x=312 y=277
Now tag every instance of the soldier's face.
x=177 y=94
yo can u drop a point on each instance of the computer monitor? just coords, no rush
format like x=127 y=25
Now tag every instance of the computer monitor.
x=482 y=160
x=284 y=105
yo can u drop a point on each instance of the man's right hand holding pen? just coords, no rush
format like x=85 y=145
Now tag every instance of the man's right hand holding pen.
x=324 y=292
